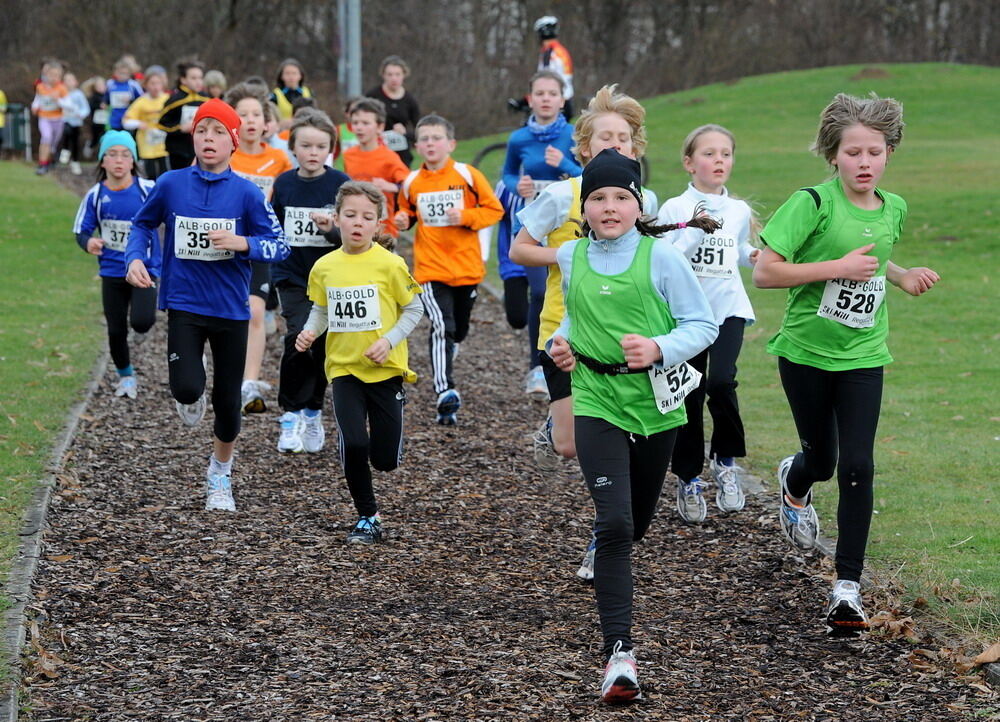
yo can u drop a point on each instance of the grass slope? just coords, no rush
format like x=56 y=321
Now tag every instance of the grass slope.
x=937 y=480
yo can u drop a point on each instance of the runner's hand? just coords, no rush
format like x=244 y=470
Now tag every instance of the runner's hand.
x=525 y=188
x=402 y=220
x=378 y=352
x=918 y=280
x=304 y=340
x=224 y=240
x=553 y=156
x=383 y=185
x=754 y=255
x=454 y=216
x=857 y=266
x=640 y=351
x=138 y=276
x=562 y=354
x=95 y=246
x=323 y=221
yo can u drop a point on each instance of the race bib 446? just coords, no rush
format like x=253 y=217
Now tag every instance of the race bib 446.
x=353 y=308
x=852 y=303
x=191 y=238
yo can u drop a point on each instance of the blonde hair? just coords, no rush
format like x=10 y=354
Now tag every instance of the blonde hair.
x=609 y=100
x=884 y=115
x=377 y=197
x=312 y=118
x=215 y=78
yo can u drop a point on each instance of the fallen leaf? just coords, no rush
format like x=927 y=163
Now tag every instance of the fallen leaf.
x=991 y=654
x=59 y=558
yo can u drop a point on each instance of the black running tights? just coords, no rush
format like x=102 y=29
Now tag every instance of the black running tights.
x=123 y=302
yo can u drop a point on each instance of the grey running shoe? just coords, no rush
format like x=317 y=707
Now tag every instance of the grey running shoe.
x=586 y=570
x=799 y=524
x=535 y=386
x=690 y=501
x=729 y=496
x=290 y=440
x=544 y=452
x=219 y=493
x=845 y=616
x=127 y=386
x=313 y=435
x=191 y=414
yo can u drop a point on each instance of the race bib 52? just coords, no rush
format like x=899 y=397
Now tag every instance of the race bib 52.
x=671 y=385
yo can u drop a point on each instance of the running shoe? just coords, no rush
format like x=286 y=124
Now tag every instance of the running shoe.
x=368 y=530
x=543 y=450
x=191 y=414
x=312 y=433
x=586 y=570
x=449 y=402
x=729 y=496
x=799 y=524
x=447 y=419
x=454 y=351
x=252 y=396
x=127 y=386
x=290 y=440
x=621 y=679
x=535 y=386
x=690 y=501
x=270 y=323
x=219 y=493
x=74 y=168
x=845 y=616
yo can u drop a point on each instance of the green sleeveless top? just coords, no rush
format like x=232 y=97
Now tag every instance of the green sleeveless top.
x=602 y=309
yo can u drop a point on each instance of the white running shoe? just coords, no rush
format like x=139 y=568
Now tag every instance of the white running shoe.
x=845 y=615
x=290 y=440
x=127 y=386
x=219 y=493
x=544 y=452
x=691 y=502
x=799 y=524
x=312 y=434
x=270 y=323
x=586 y=570
x=74 y=168
x=621 y=679
x=535 y=386
x=191 y=414
x=729 y=496
x=252 y=396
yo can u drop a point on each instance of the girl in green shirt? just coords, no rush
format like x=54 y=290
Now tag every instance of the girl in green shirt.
x=830 y=246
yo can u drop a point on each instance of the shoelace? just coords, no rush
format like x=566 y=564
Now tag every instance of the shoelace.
x=694 y=488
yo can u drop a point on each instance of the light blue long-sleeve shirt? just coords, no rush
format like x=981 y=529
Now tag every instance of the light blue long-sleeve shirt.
x=673 y=280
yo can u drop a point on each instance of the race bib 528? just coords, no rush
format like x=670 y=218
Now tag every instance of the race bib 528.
x=191 y=238
x=852 y=303
x=434 y=207
x=115 y=233
x=353 y=308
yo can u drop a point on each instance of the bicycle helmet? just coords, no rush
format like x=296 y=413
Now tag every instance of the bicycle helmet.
x=547 y=27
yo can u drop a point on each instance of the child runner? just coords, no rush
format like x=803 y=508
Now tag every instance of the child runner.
x=47 y=105
x=179 y=111
x=365 y=299
x=634 y=314
x=830 y=245
x=401 y=109
x=371 y=160
x=94 y=88
x=216 y=223
x=121 y=91
x=76 y=110
x=215 y=84
x=108 y=208
x=538 y=154
x=707 y=156
x=345 y=136
x=260 y=164
x=300 y=200
x=451 y=201
x=291 y=84
x=612 y=120
x=143 y=117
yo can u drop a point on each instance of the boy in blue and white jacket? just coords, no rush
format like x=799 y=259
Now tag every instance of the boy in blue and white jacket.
x=216 y=223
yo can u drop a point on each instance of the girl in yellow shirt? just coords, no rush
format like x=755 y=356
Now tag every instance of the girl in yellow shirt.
x=365 y=298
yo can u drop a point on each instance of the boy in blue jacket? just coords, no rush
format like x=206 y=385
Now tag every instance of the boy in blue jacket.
x=216 y=223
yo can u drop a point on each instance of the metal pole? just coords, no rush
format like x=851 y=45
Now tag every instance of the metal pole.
x=354 y=47
x=342 y=49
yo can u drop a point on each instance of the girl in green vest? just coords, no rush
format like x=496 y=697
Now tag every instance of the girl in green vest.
x=635 y=312
x=830 y=246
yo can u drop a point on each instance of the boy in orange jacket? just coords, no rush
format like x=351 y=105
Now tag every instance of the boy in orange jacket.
x=450 y=202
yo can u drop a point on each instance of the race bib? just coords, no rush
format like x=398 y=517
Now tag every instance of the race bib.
x=301 y=230
x=852 y=303
x=540 y=185
x=353 y=308
x=671 y=385
x=715 y=257
x=191 y=238
x=120 y=98
x=155 y=136
x=395 y=141
x=115 y=233
x=264 y=182
x=48 y=103
x=433 y=207
x=101 y=116
x=187 y=113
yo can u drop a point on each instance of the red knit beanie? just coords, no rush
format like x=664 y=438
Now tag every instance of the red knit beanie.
x=223 y=113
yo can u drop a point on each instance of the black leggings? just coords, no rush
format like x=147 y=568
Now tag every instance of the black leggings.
x=624 y=473
x=836 y=415
x=523 y=297
x=71 y=141
x=154 y=167
x=717 y=363
x=119 y=298
x=186 y=336
x=358 y=406
x=449 y=309
x=302 y=376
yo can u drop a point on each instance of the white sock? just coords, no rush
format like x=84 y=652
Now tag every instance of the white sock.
x=220 y=467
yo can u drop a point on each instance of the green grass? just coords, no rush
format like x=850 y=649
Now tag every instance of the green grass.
x=50 y=334
x=937 y=478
